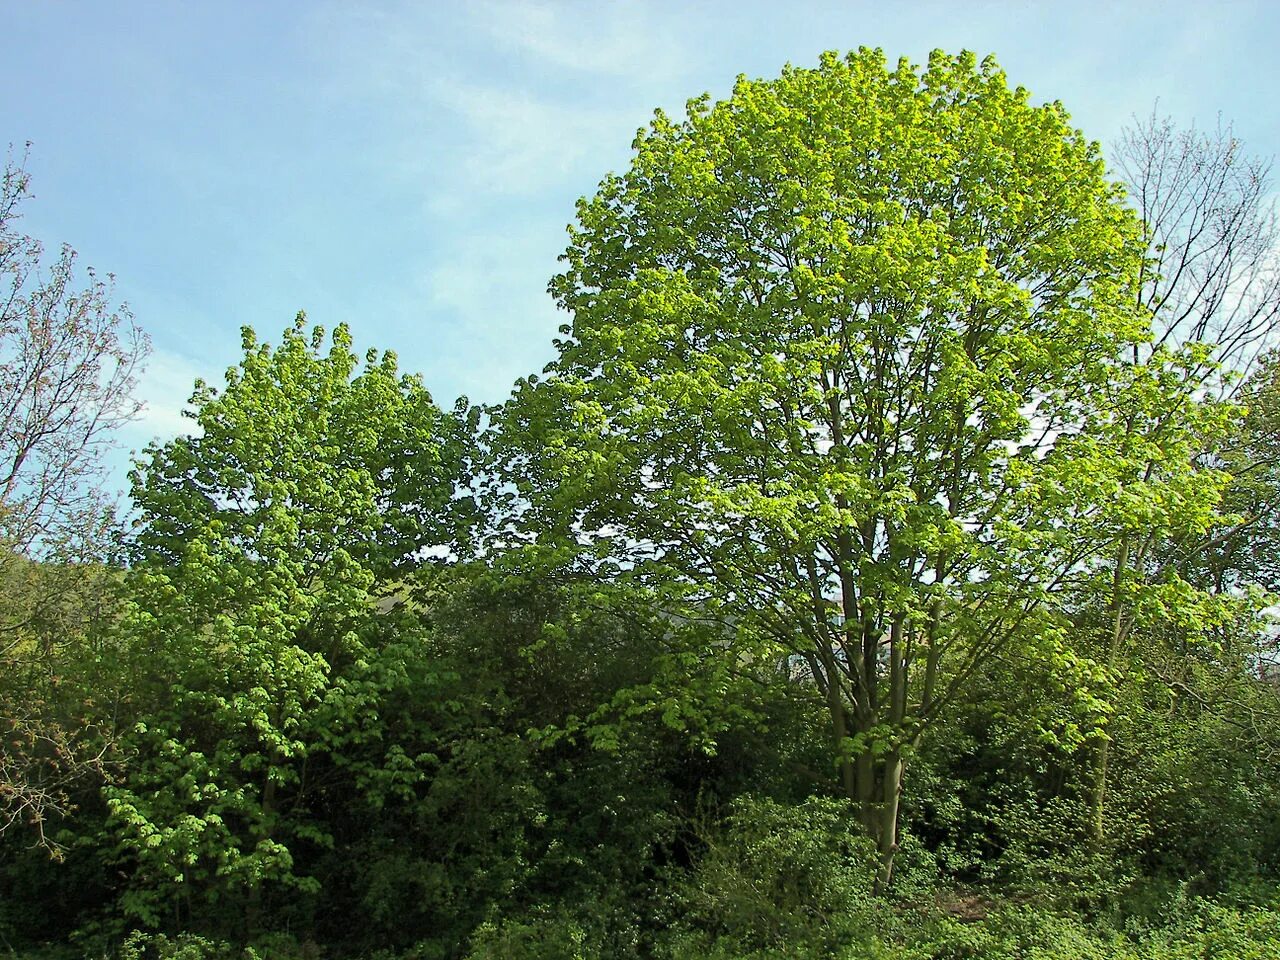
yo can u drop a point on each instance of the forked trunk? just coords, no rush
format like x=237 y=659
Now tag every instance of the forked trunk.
x=875 y=785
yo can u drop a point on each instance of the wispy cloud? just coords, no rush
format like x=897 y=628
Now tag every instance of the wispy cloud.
x=491 y=288
x=516 y=143
x=616 y=39
x=560 y=84
x=164 y=388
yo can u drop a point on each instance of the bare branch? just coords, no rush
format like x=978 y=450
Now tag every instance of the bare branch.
x=1213 y=271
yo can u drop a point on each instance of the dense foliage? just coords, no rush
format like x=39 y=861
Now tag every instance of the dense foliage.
x=864 y=578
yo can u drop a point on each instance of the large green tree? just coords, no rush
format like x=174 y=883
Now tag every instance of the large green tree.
x=852 y=363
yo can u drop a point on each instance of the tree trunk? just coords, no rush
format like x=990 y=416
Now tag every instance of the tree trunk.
x=1097 y=822
x=887 y=834
x=1097 y=826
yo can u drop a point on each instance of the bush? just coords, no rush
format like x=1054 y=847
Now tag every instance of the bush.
x=554 y=936
x=777 y=877
x=156 y=946
x=188 y=946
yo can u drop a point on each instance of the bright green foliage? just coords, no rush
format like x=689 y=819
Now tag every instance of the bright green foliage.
x=307 y=458
x=850 y=359
x=267 y=547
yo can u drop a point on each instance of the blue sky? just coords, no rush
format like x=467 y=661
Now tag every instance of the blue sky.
x=409 y=168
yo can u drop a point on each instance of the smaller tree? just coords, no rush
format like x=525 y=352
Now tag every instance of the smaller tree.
x=1250 y=553
x=266 y=552
x=1210 y=283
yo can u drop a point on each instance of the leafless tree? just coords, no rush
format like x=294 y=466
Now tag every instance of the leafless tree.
x=1213 y=275
x=68 y=366
x=69 y=361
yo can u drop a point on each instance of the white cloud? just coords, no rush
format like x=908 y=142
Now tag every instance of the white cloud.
x=164 y=388
x=490 y=291
x=617 y=39
x=521 y=144
x=499 y=98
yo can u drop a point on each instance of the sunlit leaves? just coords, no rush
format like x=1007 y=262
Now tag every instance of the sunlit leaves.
x=864 y=334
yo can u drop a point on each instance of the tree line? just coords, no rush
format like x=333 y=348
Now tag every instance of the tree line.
x=883 y=567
